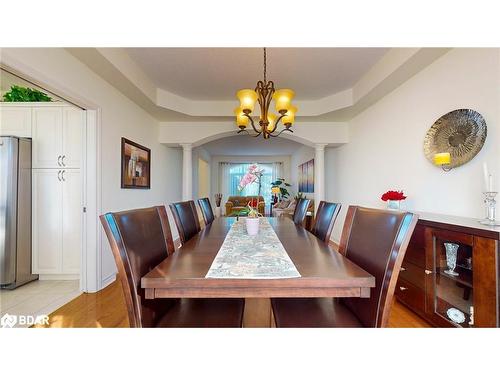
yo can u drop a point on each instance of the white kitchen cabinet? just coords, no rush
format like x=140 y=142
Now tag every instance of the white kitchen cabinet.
x=57 y=221
x=47 y=137
x=57 y=137
x=72 y=136
x=47 y=221
x=71 y=220
x=15 y=120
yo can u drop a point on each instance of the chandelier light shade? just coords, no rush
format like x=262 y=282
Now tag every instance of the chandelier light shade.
x=283 y=99
x=241 y=119
x=289 y=117
x=264 y=94
x=247 y=99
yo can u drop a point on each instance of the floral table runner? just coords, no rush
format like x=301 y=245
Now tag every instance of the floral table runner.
x=252 y=257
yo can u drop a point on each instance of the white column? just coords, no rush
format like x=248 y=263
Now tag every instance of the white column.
x=187 y=171
x=319 y=174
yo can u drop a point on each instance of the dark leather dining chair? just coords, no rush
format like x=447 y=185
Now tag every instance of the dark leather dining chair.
x=325 y=219
x=186 y=219
x=376 y=240
x=141 y=239
x=206 y=210
x=299 y=215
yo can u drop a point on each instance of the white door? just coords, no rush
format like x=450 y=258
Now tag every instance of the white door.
x=71 y=220
x=47 y=137
x=47 y=221
x=15 y=121
x=72 y=137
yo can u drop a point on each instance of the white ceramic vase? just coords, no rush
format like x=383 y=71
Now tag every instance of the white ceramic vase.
x=218 y=212
x=252 y=225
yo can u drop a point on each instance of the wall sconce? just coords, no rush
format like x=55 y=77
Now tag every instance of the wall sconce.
x=443 y=160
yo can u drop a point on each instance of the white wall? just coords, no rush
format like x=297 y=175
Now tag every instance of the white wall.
x=302 y=155
x=386 y=140
x=120 y=118
x=201 y=153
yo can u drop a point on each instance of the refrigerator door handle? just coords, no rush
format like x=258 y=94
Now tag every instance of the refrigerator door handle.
x=62 y=160
x=59 y=161
x=62 y=175
x=59 y=175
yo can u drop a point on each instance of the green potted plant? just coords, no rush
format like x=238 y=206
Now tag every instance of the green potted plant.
x=25 y=94
x=282 y=185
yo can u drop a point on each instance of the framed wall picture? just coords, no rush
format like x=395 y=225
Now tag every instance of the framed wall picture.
x=136 y=165
x=310 y=176
x=306 y=177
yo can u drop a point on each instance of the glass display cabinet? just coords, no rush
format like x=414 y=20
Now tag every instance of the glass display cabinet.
x=453 y=286
x=450 y=273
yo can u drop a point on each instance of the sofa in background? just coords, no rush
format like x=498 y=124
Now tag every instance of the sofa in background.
x=287 y=207
x=236 y=202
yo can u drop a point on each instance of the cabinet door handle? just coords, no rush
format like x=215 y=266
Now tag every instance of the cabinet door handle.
x=402 y=288
x=427 y=272
x=59 y=175
x=59 y=161
x=62 y=175
x=403 y=269
x=62 y=160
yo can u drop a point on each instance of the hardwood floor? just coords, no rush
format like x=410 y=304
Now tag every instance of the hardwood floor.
x=106 y=308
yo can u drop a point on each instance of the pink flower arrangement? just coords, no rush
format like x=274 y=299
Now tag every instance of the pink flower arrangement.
x=253 y=174
x=392 y=195
x=247 y=179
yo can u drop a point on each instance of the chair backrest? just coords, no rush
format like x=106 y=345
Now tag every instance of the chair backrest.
x=140 y=239
x=376 y=240
x=325 y=219
x=206 y=210
x=300 y=212
x=186 y=219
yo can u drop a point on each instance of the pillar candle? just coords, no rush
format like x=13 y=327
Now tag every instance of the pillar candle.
x=486 y=177
x=442 y=158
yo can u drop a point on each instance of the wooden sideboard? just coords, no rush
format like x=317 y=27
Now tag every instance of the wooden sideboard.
x=442 y=296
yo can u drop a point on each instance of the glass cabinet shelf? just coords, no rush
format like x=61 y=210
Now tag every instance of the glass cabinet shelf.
x=453 y=282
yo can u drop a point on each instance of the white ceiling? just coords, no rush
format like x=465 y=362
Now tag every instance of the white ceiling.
x=245 y=145
x=217 y=73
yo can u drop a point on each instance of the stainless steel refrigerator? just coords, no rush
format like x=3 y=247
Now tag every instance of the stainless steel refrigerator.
x=15 y=212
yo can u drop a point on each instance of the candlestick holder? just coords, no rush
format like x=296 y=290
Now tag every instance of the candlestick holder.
x=490 y=203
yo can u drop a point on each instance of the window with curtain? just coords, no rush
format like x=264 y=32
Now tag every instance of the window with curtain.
x=232 y=173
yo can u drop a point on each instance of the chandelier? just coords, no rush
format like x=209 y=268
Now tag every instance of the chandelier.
x=264 y=93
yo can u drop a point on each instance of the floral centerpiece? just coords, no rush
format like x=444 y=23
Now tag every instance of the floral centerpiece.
x=393 y=199
x=253 y=175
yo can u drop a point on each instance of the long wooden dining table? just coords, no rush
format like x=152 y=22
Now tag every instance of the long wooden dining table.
x=324 y=271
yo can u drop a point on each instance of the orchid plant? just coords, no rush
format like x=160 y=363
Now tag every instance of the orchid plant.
x=253 y=175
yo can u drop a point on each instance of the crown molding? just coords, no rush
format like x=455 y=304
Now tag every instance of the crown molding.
x=394 y=68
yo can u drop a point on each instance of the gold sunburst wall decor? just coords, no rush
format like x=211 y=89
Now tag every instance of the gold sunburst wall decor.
x=455 y=138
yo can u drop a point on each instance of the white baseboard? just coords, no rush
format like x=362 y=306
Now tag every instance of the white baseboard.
x=108 y=280
x=177 y=242
x=59 y=277
x=334 y=244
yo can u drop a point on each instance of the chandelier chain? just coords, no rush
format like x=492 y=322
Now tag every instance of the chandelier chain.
x=265 y=66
